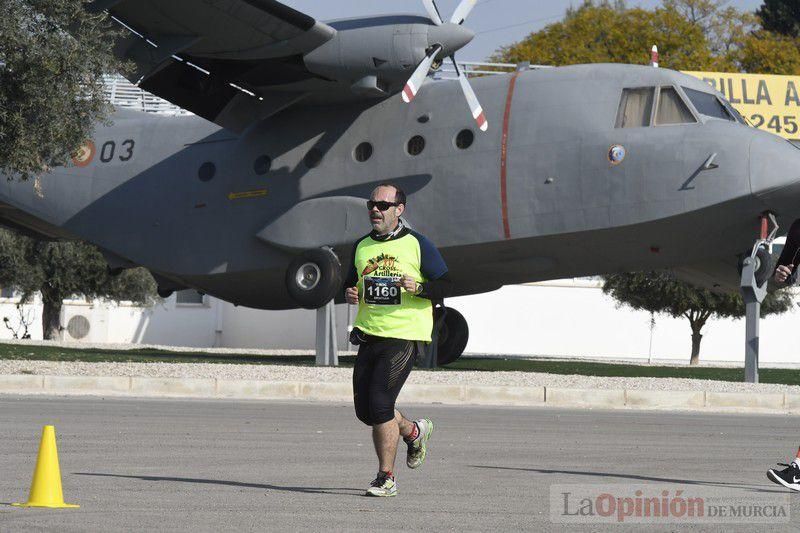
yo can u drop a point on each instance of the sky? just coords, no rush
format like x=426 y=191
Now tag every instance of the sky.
x=496 y=22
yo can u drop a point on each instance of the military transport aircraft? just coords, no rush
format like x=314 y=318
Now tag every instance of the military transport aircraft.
x=258 y=198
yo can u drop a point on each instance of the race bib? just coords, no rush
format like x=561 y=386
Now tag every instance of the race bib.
x=381 y=291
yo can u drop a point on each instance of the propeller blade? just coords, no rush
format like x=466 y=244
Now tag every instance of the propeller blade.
x=462 y=11
x=472 y=100
x=415 y=81
x=433 y=12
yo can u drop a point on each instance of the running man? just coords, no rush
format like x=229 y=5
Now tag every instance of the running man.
x=396 y=272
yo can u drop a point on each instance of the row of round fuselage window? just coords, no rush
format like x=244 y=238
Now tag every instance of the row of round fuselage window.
x=415 y=145
x=362 y=153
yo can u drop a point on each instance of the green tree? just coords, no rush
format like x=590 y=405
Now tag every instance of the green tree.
x=765 y=52
x=781 y=16
x=59 y=270
x=53 y=54
x=660 y=292
x=616 y=34
x=690 y=34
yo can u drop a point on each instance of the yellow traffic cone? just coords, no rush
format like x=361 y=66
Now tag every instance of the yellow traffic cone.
x=46 y=486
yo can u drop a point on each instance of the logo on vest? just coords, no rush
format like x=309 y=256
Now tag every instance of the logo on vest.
x=383 y=265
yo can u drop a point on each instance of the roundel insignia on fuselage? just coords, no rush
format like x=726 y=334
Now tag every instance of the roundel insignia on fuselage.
x=84 y=155
x=616 y=154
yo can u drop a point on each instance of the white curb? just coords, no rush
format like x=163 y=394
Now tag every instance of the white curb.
x=602 y=398
x=411 y=393
x=648 y=399
x=173 y=386
x=746 y=400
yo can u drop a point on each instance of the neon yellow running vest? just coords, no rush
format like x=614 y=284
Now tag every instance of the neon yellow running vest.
x=384 y=309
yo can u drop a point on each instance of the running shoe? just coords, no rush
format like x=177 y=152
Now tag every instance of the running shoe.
x=382 y=486
x=417 y=448
x=789 y=477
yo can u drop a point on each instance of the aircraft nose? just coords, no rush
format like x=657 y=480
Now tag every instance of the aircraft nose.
x=451 y=36
x=775 y=173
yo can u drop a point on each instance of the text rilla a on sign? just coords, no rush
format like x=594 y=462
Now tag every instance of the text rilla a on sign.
x=769 y=102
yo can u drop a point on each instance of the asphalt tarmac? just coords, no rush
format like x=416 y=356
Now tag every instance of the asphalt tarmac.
x=191 y=465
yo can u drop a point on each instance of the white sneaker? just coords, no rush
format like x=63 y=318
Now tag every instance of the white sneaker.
x=382 y=486
x=417 y=449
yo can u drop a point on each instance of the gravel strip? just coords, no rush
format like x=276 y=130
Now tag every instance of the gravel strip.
x=343 y=375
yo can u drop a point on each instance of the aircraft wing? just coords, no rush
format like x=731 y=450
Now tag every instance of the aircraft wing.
x=224 y=60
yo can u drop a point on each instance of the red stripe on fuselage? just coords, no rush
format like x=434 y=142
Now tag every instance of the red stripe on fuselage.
x=504 y=156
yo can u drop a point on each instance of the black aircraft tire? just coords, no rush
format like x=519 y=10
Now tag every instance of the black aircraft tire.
x=765 y=265
x=314 y=277
x=453 y=337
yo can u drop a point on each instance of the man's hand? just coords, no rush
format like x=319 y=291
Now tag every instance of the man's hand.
x=351 y=295
x=408 y=283
x=783 y=272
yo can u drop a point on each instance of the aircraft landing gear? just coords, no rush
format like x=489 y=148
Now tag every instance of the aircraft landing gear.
x=756 y=270
x=451 y=333
x=314 y=277
x=763 y=266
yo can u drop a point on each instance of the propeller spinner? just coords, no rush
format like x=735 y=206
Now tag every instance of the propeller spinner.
x=445 y=38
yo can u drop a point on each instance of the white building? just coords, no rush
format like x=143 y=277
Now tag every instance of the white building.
x=565 y=318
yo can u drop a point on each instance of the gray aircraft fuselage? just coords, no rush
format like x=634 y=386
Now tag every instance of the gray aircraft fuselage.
x=535 y=198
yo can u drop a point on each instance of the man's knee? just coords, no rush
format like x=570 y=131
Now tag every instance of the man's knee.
x=381 y=414
x=363 y=413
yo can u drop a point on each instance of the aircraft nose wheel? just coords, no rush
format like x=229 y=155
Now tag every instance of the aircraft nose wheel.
x=308 y=276
x=314 y=277
x=764 y=265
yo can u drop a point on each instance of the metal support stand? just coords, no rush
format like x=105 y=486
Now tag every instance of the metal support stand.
x=753 y=294
x=327 y=354
x=432 y=350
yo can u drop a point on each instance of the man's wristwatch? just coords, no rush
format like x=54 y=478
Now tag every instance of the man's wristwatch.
x=418 y=290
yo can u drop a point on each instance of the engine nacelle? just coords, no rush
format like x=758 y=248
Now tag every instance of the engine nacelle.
x=366 y=54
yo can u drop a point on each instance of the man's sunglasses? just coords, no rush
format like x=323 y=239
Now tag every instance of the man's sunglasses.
x=382 y=206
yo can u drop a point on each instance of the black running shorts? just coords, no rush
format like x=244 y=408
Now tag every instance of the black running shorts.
x=380 y=371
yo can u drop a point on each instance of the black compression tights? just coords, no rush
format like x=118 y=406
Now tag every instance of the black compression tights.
x=380 y=371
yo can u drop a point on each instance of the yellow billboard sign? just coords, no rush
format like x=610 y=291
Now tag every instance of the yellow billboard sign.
x=771 y=103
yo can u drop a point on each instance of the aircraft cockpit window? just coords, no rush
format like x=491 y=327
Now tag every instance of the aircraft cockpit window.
x=732 y=110
x=708 y=104
x=635 y=108
x=672 y=109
